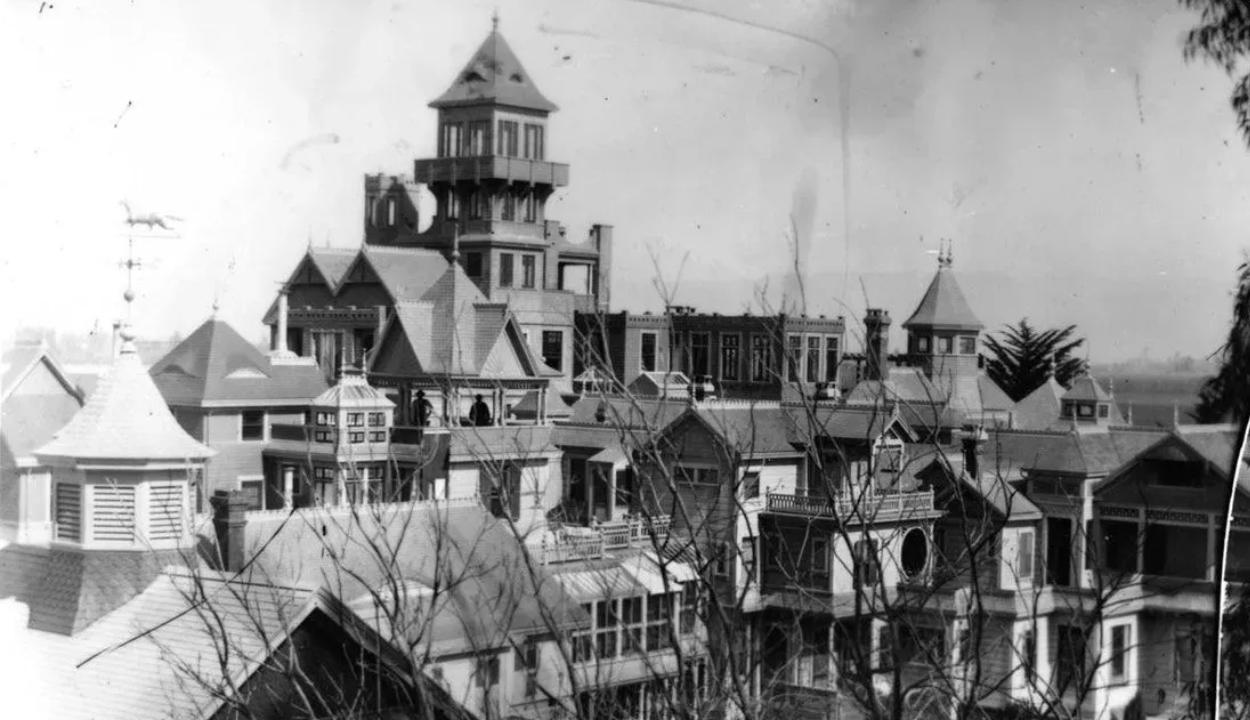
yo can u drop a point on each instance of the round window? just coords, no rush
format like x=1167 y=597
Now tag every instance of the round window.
x=915 y=552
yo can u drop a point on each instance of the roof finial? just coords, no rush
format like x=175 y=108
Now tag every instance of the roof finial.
x=950 y=252
x=216 y=306
x=494 y=20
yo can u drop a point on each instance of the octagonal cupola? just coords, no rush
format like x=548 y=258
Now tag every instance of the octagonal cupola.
x=123 y=471
x=943 y=323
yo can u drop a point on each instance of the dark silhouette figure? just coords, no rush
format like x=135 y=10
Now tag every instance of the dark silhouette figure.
x=421 y=410
x=479 y=414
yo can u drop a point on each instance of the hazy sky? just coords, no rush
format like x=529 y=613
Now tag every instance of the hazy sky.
x=1085 y=172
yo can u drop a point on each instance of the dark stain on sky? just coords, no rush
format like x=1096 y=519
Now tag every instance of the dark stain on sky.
x=124 y=111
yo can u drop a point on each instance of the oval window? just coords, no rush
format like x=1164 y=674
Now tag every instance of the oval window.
x=915 y=552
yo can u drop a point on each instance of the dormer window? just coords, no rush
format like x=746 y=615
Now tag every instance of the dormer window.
x=922 y=344
x=944 y=345
x=1086 y=411
x=355 y=419
x=967 y=345
x=1067 y=409
x=1104 y=411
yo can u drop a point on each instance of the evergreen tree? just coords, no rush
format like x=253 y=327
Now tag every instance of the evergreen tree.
x=1226 y=396
x=1021 y=358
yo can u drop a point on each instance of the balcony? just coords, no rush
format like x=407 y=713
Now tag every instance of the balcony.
x=867 y=507
x=490 y=167
x=567 y=544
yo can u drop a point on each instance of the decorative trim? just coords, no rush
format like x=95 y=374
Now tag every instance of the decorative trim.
x=1114 y=511
x=1178 y=515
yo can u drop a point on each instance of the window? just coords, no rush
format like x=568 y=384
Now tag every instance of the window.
x=451 y=205
x=967 y=345
x=633 y=628
x=527 y=271
x=525 y=657
x=831 y=359
x=252 y=426
x=1119 y=653
x=1059 y=551
x=820 y=556
x=648 y=351
x=761 y=358
x=659 y=621
x=473 y=264
x=813 y=359
x=1028 y=655
x=553 y=348
x=605 y=629
x=730 y=356
x=699 y=355
x=479 y=137
x=450 y=140
x=867 y=569
x=531 y=207
x=507 y=138
x=750 y=485
x=324 y=419
x=371 y=208
x=1085 y=411
x=505 y=269
x=794 y=357
x=1067 y=409
x=377 y=419
x=698 y=475
x=944 y=345
x=391 y=210
x=1119 y=546
x=509 y=206
x=689 y=607
x=746 y=553
x=486 y=672
x=1071 y=658
x=534 y=149
x=479 y=205
x=377 y=436
x=721 y=561
x=1024 y=558
x=355 y=419
x=1104 y=411
x=922 y=344
x=355 y=437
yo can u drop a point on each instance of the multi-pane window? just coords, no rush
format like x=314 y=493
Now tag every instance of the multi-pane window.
x=944 y=345
x=831 y=359
x=633 y=627
x=1104 y=411
x=377 y=419
x=699 y=475
x=794 y=357
x=505 y=269
x=479 y=137
x=750 y=485
x=813 y=359
x=450 y=140
x=730 y=355
x=486 y=672
x=528 y=271
x=377 y=436
x=508 y=211
x=479 y=205
x=867 y=569
x=761 y=358
x=1028 y=655
x=507 y=138
x=689 y=608
x=648 y=351
x=1119 y=652
x=325 y=419
x=356 y=436
x=967 y=345
x=355 y=419
x=700 y=355
x=252 y=426
x=659 y=621
x=553 y=348
x=451 y=205
x=531 y=207
x=534 y=149
x=605 y=629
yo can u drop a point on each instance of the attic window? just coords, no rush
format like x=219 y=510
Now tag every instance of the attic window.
x=516 y=78
x=1104 y=411
x=474 y=76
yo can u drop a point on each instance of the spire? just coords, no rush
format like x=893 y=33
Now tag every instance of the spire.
x=494 y=20
x=943 y=304
x=494 y=76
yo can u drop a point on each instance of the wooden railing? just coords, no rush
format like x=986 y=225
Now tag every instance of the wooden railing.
x=866 y=506
x=380 y=509
x=589 y=543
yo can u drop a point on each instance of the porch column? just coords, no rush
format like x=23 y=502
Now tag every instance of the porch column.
x=340 y=487
x=288 y=486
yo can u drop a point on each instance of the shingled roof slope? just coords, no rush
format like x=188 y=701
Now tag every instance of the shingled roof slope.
x=1040 y=408
x=215 y=365
x=494 y=75
x=944 y=305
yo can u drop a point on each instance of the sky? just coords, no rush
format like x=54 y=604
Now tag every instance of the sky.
x=1083 y=171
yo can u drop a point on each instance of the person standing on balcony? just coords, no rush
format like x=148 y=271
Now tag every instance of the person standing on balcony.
x=479 y=414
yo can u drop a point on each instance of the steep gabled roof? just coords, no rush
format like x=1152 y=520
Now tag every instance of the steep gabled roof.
x=126 y=419
x=21 y=361
x=1039 y=409
x=215 y=365
x=39 y=399
x=943 y=305
x=494 y=75
x=1215 y=444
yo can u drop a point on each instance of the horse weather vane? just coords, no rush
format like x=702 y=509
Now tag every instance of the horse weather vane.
x=152 y=221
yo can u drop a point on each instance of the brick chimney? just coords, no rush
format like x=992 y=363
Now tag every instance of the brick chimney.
x=229 y=521
x=877 y=343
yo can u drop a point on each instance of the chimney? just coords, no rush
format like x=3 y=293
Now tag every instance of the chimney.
x=602 y=235
x=877 y=343
x=283 y=309
x=972 y=442
x=229 y=521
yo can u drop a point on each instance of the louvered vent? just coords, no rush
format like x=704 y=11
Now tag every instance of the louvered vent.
x=165 y=511
x=113 y=513
x=68 y=512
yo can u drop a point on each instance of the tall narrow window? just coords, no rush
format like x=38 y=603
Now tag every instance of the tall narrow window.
x=761 y=358
x=813 y=359
x=967 y=345
x=479 y=138
x=1028 y=656
x=648 y=352
x=534 y=142
x=794 y=357
x=252 y=426
x=450 y=140
x=531 y=207
x=1024 y=563
x=553 y=349
x=473 y=264
x=451 y=205
x=479 y=205
x=505 y=269
x=730 y=356
x=507 y=138
x=831 y=359
x=944 y=345
x=528 y=271
x=699 y=355
x=1119 y=653
x=508 y=211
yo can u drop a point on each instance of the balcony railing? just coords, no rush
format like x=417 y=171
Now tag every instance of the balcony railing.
x=490 y=167
x=592 y=543
x=867 y=506
x=380 y=509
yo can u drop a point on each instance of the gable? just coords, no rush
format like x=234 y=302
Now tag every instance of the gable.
x=1168 y=474
x=395 y=355
x=502 y=361
x=41 y=380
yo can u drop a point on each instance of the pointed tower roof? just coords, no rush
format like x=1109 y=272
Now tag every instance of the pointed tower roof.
x=124 y=420
x=943 y=304
x=494 y=76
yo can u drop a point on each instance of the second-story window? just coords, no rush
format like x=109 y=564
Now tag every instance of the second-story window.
x=479 y=138
x=813 y=359
x=761 y=358
x=1024 y=560
x=508 y=211
x=507 y=138
x=473 y=264
x=659 y=621
x=252 y=425
x=377 y=419
x=450 y=140
x=944 y=345
x=479 y=205
x=553 y=349
x=531 y=207
x=648 y=351
x=528 y=271
x=534 y=149
x=831 y=359
x=794 y=357
x=1119 y=653
x=867 y=568
x=967 y=345
x=505 y=269
x=730 y=356
x=355 y=419
x=700 y=355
